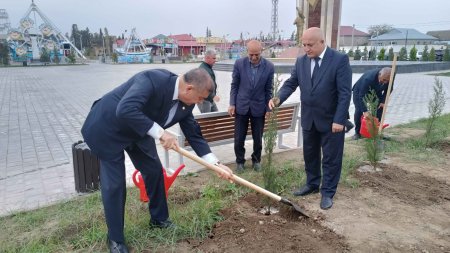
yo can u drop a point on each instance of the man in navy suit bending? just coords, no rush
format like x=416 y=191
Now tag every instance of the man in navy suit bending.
x=324 y=77
x=131 y=118
x=251 y=90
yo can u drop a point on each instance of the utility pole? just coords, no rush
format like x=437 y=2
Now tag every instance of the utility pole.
x=353 y=34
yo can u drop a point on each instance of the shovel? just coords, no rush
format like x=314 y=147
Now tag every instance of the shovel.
x=242 y=181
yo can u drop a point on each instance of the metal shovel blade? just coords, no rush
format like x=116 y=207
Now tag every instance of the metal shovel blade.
x=296 y=207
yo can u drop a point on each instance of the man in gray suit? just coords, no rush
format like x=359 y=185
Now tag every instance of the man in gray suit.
x=209 y=104
x=324 y=77
x=251 y=90
x=131 y=118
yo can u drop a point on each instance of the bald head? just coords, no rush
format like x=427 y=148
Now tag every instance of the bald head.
x=384 y=75
x=254 y=49
x=313 y=42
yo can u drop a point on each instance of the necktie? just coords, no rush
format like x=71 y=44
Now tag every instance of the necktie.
x=315 y=70
x=172 y=111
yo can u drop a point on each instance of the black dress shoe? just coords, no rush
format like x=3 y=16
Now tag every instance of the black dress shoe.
x=162 y=224
x=116 y=247
x=348 y=126
x=326 y=203
x=305 y=190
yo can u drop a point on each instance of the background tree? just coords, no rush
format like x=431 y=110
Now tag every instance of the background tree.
x=425 y=54
x=293 y=36
x=381 y=54
x=372 y=54
x=435 y=107
x=391 y=54
x=413 y=54
x=446 y=54
x=4 y=53
x=357 y=54
x=71 y=57
x=45 y=56
x=350 y=53
x=432 y=56
x=377 y=30
x=403 y=54
x=365 y=53
x=56 y=55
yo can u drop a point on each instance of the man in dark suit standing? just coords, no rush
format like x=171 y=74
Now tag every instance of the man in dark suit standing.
x=251 y=90
x=209 y=104
x=324 y=77
x=130 y=118
x=376 y=80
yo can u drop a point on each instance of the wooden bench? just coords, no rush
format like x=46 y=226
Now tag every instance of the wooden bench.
x=218 y=128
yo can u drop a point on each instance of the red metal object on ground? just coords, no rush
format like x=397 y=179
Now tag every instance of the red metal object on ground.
x=366 y=124
x=138 y=180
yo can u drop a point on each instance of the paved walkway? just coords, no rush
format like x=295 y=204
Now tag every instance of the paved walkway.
x=42 y=110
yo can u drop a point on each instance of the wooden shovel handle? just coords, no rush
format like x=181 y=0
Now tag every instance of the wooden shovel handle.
x=388 y=94
x=234 y=178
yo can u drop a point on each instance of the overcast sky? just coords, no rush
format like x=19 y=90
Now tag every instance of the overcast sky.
x=223 y=17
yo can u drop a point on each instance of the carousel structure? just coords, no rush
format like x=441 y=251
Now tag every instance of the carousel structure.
x=37 y=36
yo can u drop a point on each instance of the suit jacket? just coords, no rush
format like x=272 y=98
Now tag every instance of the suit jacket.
x=122 y=117
x=245 y=94
x=210 y=71
x=369 y=81
x=328 y=100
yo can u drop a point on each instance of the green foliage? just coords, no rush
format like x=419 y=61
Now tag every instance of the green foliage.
x=391 y=54
x=403 y=54
x=350 y=53
x=4 y=53
x=413 y=54
x=71 y=57
x=273 y=55
x=377 y=30
x=45 y=56
x=446 y=56
x=357 y=54
x=373 y=144
x=365 y=53
x=373 y=54
x=381 y=54
x=270 y=137
x=56 y=56
x=432 y=55
x=425 y=54
x=435 y=108
x=115 y=57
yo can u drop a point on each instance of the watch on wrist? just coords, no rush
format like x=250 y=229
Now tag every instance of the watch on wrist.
x=217 y=163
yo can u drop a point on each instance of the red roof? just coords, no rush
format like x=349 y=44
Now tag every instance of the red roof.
x=187 y=43
x=182 y=37
x=347 y=31
x=120 y=42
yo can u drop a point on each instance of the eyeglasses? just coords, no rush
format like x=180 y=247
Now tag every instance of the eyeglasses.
x=256 y=55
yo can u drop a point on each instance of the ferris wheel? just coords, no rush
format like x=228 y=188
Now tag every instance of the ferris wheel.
x=35 y=35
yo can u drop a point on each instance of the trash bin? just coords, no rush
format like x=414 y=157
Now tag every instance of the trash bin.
x=86 y=168
x=24 y=63
x=163 y=60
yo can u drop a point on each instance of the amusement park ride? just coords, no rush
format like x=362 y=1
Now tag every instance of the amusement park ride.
x=37 y=34
x=133 y=50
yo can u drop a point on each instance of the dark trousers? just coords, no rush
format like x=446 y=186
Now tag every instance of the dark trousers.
x=113 y=189
x=240 y=132
x=207 y=106
x=332 y=146
x=359 y=113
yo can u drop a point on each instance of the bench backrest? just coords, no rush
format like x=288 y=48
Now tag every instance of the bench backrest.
x=218 y=127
